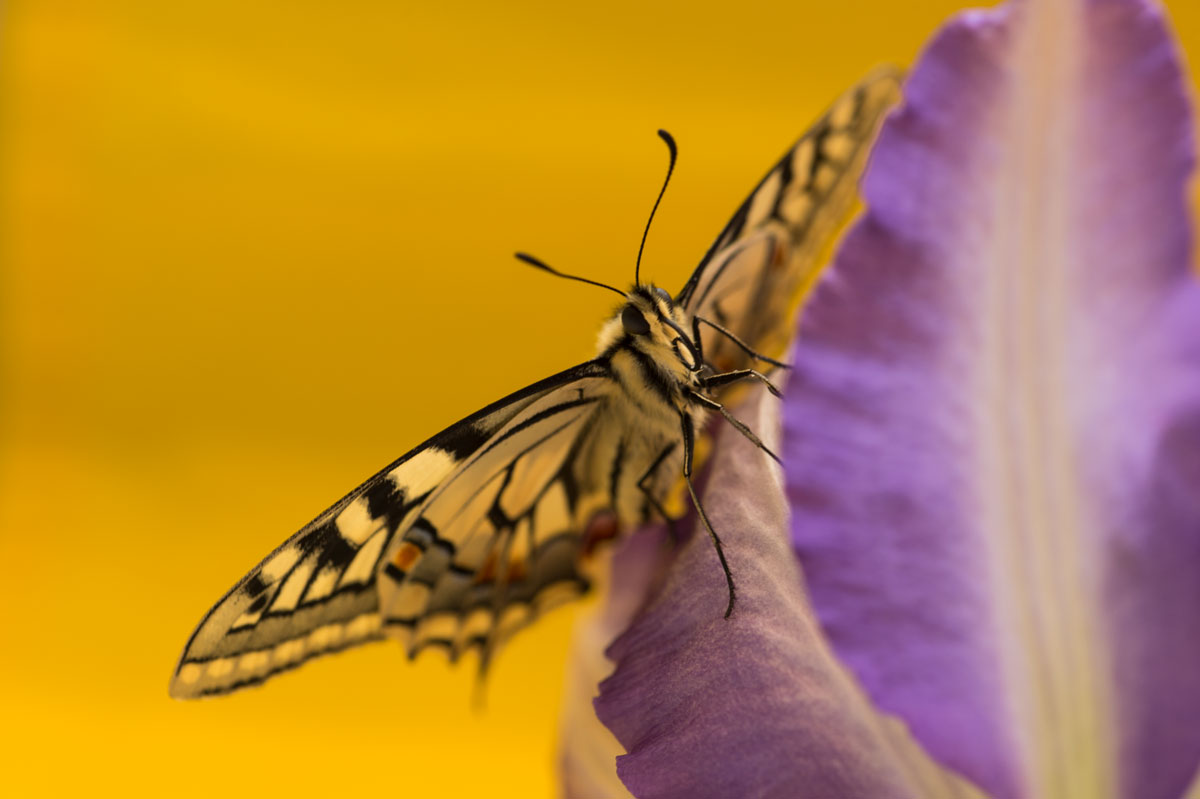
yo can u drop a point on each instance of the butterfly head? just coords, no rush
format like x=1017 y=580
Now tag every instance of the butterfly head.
x=650 y=323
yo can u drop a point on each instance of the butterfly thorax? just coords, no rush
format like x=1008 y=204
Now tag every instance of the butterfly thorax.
x=656 y=371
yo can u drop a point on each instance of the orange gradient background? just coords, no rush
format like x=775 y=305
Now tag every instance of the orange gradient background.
x=251 y=252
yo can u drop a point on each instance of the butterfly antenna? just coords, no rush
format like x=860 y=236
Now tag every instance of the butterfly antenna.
x=529 y=259
x=637 y=268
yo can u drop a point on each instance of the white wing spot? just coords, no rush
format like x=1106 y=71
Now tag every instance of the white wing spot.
x=802 y=160
x=842 y=113
x=322 y=585
x=363 y=565
x=837 y=147
x=289 y=594
x=355 y=522
x=825 y=178
x=246 y=620
x=423 y=471
x=795 y=209
x=364 y=625
x=280 y=564
x=222 y=667
x=190 y=673
x=289 y=651
x=764 y=200
x=325 y=637
x=253 y=661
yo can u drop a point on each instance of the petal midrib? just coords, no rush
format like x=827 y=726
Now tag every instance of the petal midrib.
x=1034 y=509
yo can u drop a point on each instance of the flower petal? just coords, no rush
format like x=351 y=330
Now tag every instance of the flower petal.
x=754 y=705
x=993 y=424
x=587 y=749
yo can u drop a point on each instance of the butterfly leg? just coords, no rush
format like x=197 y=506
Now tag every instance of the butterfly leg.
x=697 y=337
x=653 y=500
x=740 y=426
x=689 y=444
x=696 y=320
x=725 y=378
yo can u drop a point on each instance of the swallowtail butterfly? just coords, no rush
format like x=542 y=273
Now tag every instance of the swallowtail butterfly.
x=474 y=533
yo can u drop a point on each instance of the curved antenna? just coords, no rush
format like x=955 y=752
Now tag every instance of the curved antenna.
x=637 y=269
x=529 y=259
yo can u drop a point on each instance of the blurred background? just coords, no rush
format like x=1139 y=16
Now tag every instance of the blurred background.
x=249 y=253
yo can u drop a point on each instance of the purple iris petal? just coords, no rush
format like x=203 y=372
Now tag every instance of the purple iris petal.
x=587 y=749
x=992 y=439
x=756 y=705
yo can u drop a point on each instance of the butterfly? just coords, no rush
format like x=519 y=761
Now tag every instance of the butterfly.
x=473 y=534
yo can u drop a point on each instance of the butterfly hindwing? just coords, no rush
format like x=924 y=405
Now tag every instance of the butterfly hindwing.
x=318 y=592
x=499 y=541
x=751 y=280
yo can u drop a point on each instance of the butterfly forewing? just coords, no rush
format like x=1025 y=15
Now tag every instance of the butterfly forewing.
x=318 y=592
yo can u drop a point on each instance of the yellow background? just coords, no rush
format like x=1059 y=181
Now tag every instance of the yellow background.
x=253 y=251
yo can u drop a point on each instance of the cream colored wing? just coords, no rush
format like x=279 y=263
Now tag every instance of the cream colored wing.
x=319 y=592
x=753 y=276
x=502 y=540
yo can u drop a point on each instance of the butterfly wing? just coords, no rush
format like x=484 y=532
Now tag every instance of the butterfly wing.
x=319 y=592
x=501 y=540
x=472 y=534
x=751 y=280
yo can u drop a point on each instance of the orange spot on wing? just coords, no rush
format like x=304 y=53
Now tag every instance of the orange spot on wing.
x=602 y=527
x=406 y=555
x=516 y=570
x=488 y=572
x=779 y=257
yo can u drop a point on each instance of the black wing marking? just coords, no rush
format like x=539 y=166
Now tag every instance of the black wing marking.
x=772 y=247
x=501 y=541
x=318 y=592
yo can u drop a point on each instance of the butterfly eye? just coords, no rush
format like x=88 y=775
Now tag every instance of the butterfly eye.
x=634 y=322
x=664 y=294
